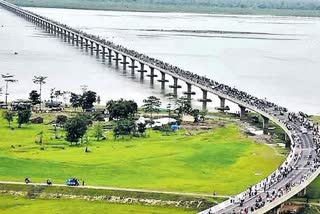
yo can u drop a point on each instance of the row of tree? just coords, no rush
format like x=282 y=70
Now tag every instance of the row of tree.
x=263 y=4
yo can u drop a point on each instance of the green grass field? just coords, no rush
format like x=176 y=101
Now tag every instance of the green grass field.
x=14 y=205
x=221 y=160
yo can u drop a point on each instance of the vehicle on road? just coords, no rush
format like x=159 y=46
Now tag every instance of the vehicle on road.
x=72 y=182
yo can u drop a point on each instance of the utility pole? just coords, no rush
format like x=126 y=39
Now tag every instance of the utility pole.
x=8 y=78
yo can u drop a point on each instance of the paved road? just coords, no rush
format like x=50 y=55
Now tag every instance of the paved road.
x=306 y=149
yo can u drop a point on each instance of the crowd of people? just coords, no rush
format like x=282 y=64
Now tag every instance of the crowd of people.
x=265 y=191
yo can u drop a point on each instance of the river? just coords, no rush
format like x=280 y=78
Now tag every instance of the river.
x=271 y=57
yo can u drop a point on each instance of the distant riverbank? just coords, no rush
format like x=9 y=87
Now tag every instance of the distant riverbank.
x=183 y=8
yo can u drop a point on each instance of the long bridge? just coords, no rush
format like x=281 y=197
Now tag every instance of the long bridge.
x=299 y=169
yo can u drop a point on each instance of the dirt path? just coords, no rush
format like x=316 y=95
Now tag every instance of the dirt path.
x=123 y=189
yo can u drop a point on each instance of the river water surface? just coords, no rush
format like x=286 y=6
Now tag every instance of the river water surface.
x=273 y=57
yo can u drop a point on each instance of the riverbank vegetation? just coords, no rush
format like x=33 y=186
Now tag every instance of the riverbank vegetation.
x=246 y=7
x=16 y=205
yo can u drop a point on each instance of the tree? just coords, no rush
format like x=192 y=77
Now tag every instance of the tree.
x=57 y=94
x=203 y=115
x=183 y=106
x=23 y=117
x=195 y=113
x=34 y=97
x=141 y=128
x=8 y=115
x=61 y=119
x=124 y=127
x=151 y=104
x=88 y=98
x=76 y=128
x=98 y=131
x=41 y=81
x=75 y=100
x=121 y=109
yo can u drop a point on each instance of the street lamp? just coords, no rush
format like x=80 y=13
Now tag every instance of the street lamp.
x=8 y=78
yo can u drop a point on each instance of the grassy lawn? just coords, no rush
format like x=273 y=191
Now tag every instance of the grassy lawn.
x=221 y=160
x=12 y=205
x=316 y=119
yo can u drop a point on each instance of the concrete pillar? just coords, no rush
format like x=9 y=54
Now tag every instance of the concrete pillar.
x=77 y=40
x=97 y=48
x=302 y=193
x=222 y=103
x=103 y=52
x=117 y=59
x=87 y=44
x=242 y=111
x=68 y=36
x=222 y=107
x=81 y=41
x=189 y=92
x=91 y=46
x=141 y=71
x=163 y=80
x=152 y=75
x=204 y=99
x=175 y=86
x=132 y=66
x=110 y=55
x=124 y=62
x=72 y=37
x=265 y=124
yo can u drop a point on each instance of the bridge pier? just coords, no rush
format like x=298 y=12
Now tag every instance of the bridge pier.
x=265 y=124
x=142 y=71
x=222 y=106
x=302 y=193
x=91 y=46
x=72 y=38
x=189 y=92
x=77 y=38
x=103 y=52
x=81 y=41
x=205 y=100
x=117 y=59
x=175 y=86
x=132 y=66
x=163 y=80
x=87 y=44
x=151 y=75
x=242 y=111
x=124 y=62
x=97 y=49
x=110 y=55
x=68 y=36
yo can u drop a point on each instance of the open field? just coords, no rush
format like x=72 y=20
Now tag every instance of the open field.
x=221 y=160
x=138 y=6
x=12 y=205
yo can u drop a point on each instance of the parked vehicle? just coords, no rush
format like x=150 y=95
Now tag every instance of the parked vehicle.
x=72 y=182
